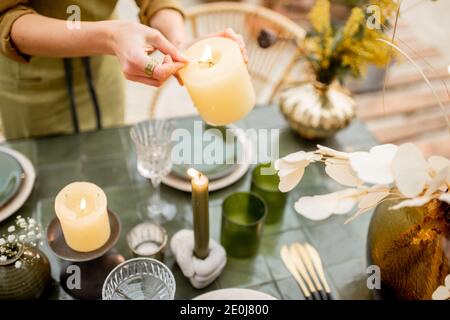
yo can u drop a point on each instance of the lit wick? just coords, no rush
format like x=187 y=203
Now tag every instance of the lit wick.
x=207 y=57
x=194 y=174
x=82 y=204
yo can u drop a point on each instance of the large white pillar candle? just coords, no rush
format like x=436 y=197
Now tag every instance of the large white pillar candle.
x=218 y=81
x=81 y=208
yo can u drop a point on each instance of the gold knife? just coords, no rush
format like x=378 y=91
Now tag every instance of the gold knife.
x=303 y=254
x=291 y=267
x=301 y=268
x=315 y=257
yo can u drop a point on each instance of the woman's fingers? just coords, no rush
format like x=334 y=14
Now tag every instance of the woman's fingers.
x=167 y=69
x=133 y=42
x=168 y=59
x=162 y=44
x=229 y=33
x=144 y=80
x=161 y=71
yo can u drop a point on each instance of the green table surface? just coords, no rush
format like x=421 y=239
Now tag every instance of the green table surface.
x=107 y=158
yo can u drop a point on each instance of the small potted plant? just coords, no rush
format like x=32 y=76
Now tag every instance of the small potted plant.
x=24 y=269
x=322 y=107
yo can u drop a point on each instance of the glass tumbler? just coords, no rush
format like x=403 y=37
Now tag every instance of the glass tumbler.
x=147 y=240
x=265 y=182
x=243 y=215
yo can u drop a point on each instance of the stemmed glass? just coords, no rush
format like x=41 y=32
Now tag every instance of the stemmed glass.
x=153 y=143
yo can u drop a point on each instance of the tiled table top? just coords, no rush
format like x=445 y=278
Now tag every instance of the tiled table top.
x=107 y=158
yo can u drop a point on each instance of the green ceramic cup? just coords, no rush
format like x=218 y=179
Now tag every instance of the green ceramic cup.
x=265 y=183
x=243 y=215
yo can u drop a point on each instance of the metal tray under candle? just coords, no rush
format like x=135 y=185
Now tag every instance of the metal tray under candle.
x=57 y=243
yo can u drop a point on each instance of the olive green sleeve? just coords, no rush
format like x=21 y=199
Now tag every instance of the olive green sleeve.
x=10 y=11
x=149 y=7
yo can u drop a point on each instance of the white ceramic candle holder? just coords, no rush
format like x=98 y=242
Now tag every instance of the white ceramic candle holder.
x=200 y=272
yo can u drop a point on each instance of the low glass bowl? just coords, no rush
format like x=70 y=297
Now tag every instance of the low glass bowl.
x=139 y=279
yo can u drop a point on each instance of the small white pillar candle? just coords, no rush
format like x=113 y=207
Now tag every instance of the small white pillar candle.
x=81 y=208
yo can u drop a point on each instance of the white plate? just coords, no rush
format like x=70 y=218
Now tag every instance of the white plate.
x=241 y=169
x=235 y=294
x=25 y=189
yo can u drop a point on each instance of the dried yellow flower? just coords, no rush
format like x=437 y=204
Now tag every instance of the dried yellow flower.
x=353 y=23
x=387 y=8
x=335 y=51
x=320 y=17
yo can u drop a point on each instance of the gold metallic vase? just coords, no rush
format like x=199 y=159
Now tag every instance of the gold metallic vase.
x=316 y=110
x=411 y=246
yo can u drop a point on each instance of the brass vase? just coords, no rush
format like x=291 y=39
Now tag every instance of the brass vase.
x=316 y=110
x=411 y=246
x=27 y=281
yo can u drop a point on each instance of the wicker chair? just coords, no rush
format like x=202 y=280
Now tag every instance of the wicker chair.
x=268 y=67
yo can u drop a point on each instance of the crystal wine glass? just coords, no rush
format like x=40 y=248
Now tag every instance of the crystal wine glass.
x=153 y=143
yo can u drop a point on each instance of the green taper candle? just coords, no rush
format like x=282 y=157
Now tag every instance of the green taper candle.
x=200 y=209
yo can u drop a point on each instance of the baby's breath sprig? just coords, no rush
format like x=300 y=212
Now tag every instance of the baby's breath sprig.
x=24 y=233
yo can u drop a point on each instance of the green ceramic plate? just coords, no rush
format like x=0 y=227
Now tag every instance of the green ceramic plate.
x=195 y=145
x=10 y=177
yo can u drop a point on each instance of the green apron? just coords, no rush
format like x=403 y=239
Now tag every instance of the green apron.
x=34 y=97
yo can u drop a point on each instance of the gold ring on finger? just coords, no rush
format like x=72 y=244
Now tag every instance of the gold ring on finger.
x=150 y=67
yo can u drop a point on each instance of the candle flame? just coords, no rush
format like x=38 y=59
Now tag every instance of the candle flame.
x=207 y=55
x=83 y=204
x=194 y=174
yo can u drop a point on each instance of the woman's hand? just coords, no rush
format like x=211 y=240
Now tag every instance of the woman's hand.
x=170 y=22
x=133 y=42
x=229 y=33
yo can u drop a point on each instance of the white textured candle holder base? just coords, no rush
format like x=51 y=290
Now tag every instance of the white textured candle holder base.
x=200 y=272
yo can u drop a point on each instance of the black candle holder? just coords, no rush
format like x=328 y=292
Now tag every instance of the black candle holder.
x=94 y=266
